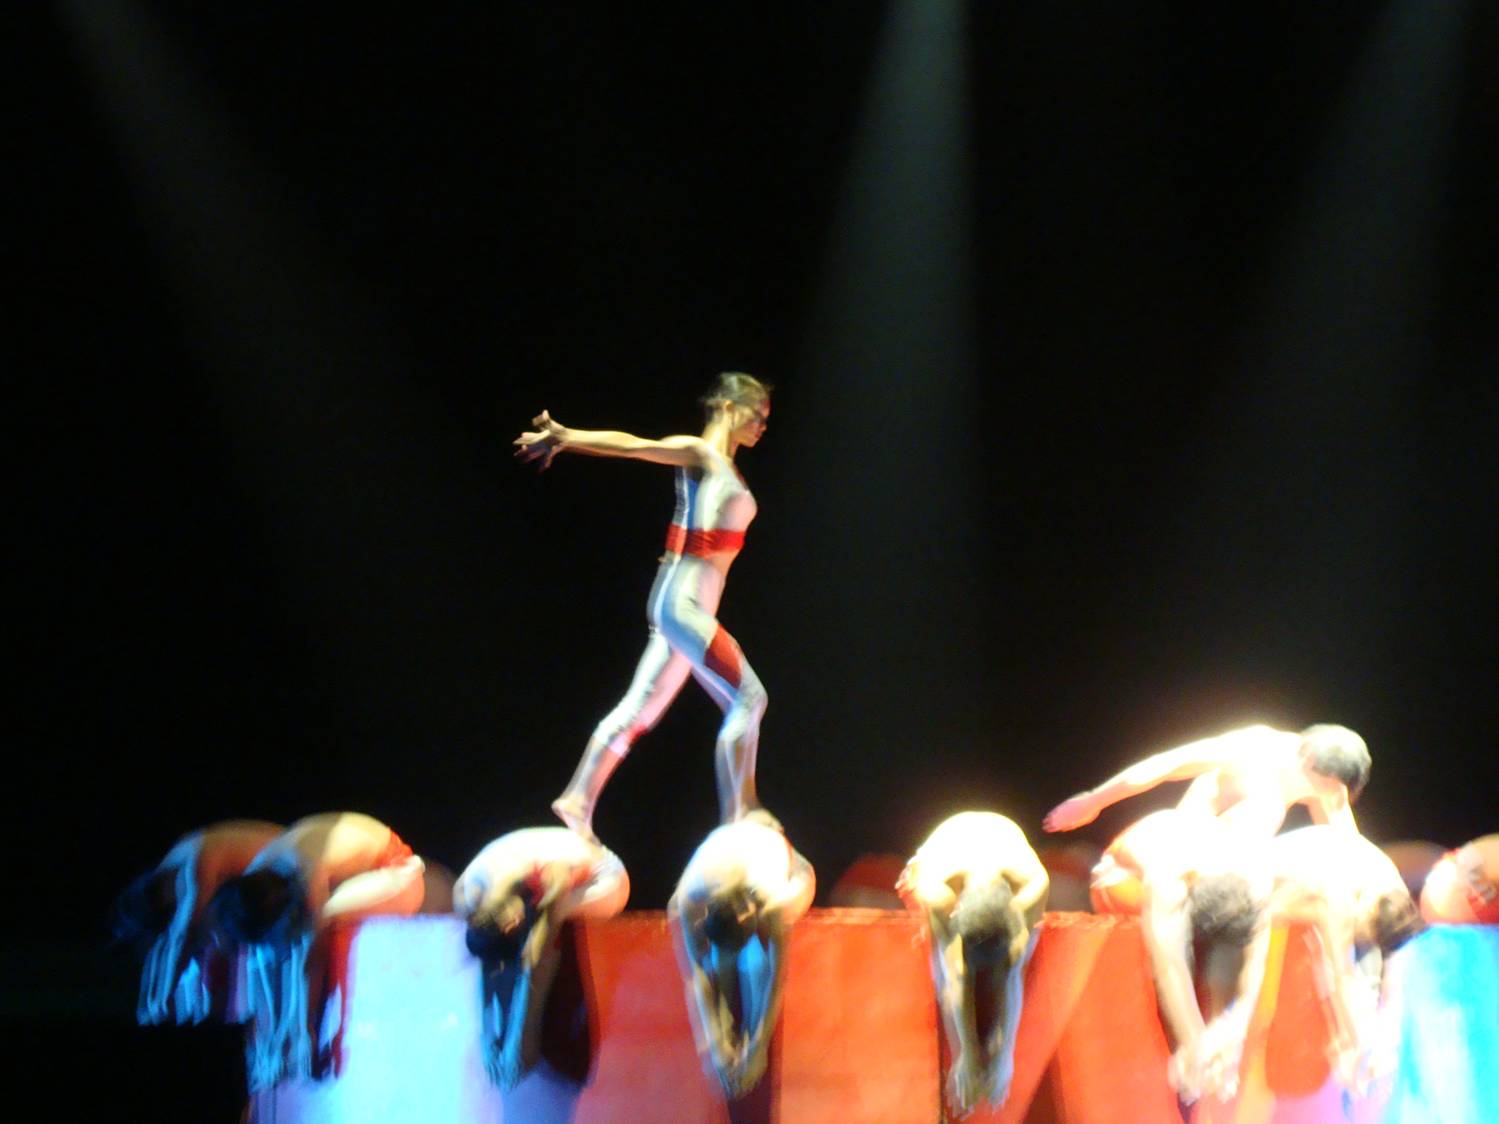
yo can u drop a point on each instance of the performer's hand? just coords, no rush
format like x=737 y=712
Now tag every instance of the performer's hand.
x=747 y=1072
x=542 y=443
x=1004 y=1076
x=965 y=1084
x=1184 y=1073
x=1220 y=1073
x=1073 y=812
x=507 y=1068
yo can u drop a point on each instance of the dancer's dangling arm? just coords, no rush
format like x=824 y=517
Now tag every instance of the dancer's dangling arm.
x=1165 y=928
x=708 y=1006
x=551 y=437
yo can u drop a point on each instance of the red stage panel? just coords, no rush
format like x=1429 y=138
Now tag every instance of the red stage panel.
x=857 y=1040
x=1090 y=1046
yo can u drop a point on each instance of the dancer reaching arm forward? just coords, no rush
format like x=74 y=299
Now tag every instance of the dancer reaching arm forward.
x=1248 y=778
x=713 y=508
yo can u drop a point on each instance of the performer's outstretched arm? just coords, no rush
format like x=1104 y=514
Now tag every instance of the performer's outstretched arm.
x=1179 y=764
x=551 y=437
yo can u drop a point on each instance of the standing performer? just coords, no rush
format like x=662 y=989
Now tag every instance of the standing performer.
x=713 y=508
x=166 y=909
x=982 y=890
x=1248 y=778
x=743 y=889
x=515 y=895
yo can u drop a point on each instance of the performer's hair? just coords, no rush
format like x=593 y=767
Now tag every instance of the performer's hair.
x=145 y=907
x=736 y=387
x=1336 y=751
x=1223 y=907
x=490 y=938
x=727 y=924
x=249 y=908
x=986 y=923
x=1396 y=920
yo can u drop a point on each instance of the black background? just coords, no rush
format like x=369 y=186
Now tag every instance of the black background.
x=292 y=280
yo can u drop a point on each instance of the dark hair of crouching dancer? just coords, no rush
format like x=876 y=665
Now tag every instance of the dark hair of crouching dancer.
x=515 y=896
x=982 y=890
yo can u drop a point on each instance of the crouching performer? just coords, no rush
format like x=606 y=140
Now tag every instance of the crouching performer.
x=334 y=866
x=1202 y=892
x=515 y=896
x=185 y=978
x=1356 y=903
x=982 y=889
x=735 y=903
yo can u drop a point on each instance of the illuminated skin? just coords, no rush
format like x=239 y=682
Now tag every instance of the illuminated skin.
x=969 y=850
x=1335 y=882
x=196 y=866
x=1247 y=778
x=529 y=882
x=713 y=509
x=340 y=861
x=1169 y=851
x=772 y=886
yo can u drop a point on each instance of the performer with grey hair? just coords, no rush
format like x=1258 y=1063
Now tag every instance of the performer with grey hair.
x=1248 y=778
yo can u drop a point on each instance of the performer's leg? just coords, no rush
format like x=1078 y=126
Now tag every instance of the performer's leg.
x=727 y=676
x=658 y=677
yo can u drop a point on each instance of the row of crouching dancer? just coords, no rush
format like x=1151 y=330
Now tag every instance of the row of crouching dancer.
x=1205 y=877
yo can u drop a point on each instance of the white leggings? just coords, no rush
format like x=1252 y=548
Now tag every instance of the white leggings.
x=685 y=636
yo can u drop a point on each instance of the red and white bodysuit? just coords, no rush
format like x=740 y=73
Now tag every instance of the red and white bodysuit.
x=714 y=507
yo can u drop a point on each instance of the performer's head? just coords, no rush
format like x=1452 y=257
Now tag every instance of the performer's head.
x=498 y=928
x=1336 y=752
x=733 y=915
x=1224 y=908
x=1395 y=920
x=263 y=907
x=144 y=908
x=990 y=929
x=743 y=400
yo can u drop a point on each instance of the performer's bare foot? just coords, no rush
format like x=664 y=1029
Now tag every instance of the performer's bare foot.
x=576 y=817
x=763 y=817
